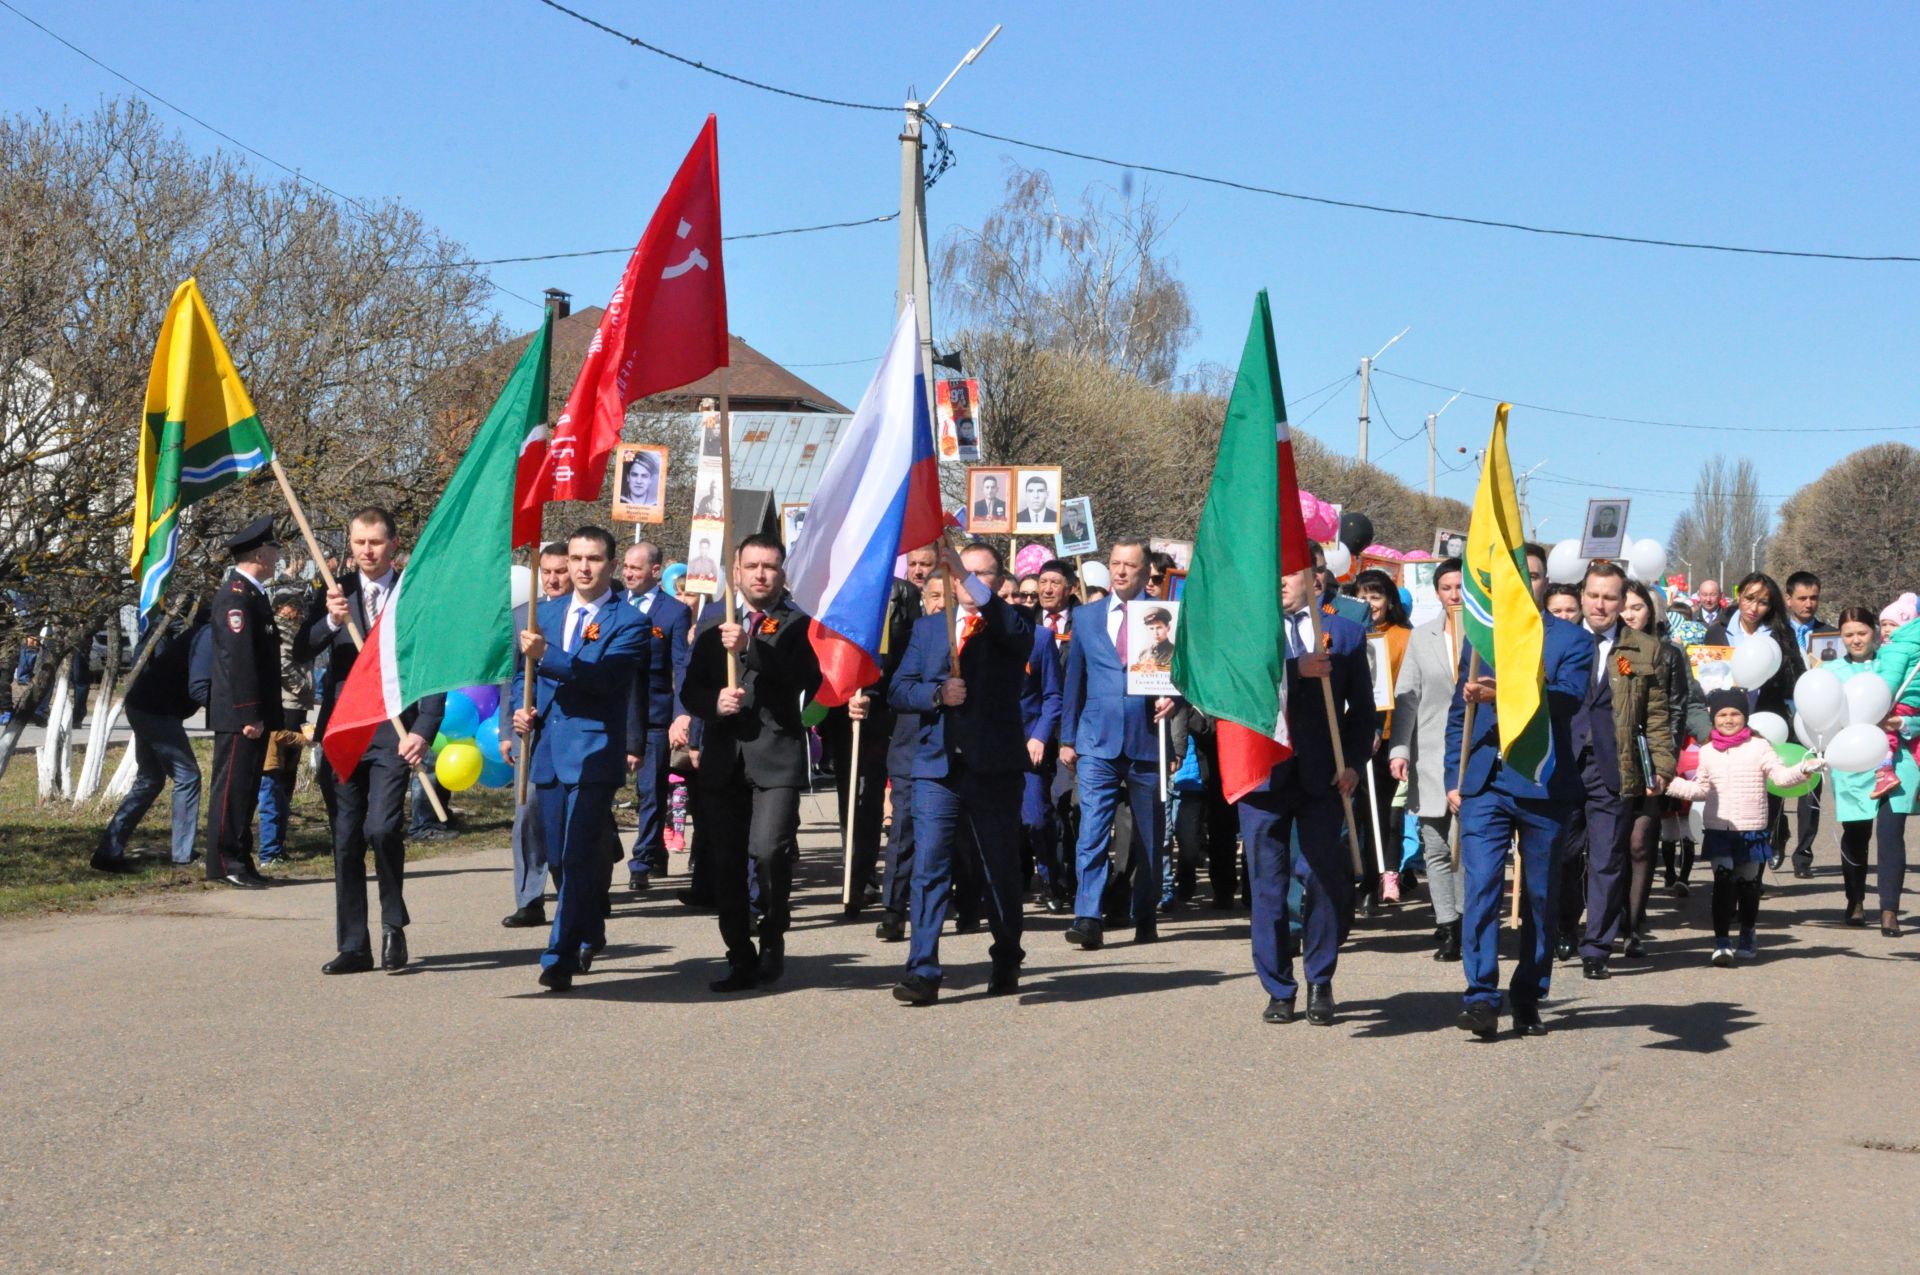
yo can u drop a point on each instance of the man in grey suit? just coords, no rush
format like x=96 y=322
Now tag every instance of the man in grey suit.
x=1418 y=750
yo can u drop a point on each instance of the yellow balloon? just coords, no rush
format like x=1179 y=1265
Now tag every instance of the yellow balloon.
x=458 y=766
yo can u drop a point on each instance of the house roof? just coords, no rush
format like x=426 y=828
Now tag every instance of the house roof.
x=754 y=381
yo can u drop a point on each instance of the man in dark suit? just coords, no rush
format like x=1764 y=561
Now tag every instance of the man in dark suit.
x=990 y=507
x=896 y=888
x=1110 y=738
x=1040 y=700
x=753 y=760
x=1046 y=805
x=864 y=779
x=580 y=704
x=656 y=684
x=369 y=804
x=1304 y=793
x=1495 y=803
x=243 y=706
x=970 y=751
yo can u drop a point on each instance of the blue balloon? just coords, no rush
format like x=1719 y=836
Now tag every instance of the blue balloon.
x=487 y=735
x=485 y=698
x=494 y=773
x=462 y=719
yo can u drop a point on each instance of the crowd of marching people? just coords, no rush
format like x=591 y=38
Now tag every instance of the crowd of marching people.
x=998 y=765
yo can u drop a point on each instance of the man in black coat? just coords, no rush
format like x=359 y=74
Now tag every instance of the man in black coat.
x=753 y=761
x=159 y=702
x=243 y=704
x=369 y=805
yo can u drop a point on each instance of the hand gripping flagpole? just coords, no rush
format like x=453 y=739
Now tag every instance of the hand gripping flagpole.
x=353 y=629
x=726 y=526
x=1333 y=733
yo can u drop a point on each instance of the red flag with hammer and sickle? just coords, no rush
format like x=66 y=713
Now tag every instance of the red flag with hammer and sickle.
x=665 y=326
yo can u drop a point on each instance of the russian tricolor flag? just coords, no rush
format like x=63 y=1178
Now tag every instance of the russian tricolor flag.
x=879 y=497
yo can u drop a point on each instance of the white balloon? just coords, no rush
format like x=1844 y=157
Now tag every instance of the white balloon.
x=1869 y=698
x=1755 y=664
x=1769 y=726
x=1697 y=822
x=1646 y=560
x=1339 y=558
x=1564 y=563
x=1813 y=739
x=1819 y=697
x=1860 y=747
x=519 y=584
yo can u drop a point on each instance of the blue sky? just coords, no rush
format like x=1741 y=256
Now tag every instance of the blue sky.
x=519 y=131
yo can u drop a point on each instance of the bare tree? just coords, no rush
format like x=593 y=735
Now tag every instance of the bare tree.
x=1856 y=527
x=354 y=329
x=1718 y=532
x=1092 y=282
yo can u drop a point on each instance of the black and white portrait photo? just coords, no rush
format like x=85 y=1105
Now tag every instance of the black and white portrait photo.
x=1076 y=528
x=1037 y=501
x=1606 y=529
x=987 y=510
x=640 y=487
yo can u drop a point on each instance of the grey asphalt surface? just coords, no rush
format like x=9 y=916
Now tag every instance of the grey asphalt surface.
x=184 y=1091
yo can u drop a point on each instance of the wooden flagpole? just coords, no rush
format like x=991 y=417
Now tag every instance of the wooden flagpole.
x=523 y=755
x=1466 y=746
x=726 y=525
x=353 y=630
x=1333 y=734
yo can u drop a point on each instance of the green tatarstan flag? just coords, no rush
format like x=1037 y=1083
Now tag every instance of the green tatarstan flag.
x=1230 y=659
x=449 y=623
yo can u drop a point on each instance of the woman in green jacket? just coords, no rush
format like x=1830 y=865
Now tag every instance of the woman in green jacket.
x=1861 y=813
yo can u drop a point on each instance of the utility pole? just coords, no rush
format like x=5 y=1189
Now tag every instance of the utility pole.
x=1366 y=395
x=1433 y=442
x=913 y=215
x=1526 y=511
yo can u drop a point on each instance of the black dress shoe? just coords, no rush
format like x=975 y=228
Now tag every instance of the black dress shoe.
x=1148 y=933
x=773 y=963
x=966 y=925
x=587 y=953
x=638 y=882
x=1803 y=874
x=526 y=918
x=111 y=864
x=1084 y=934
x=892 y=928
x=240 y=881
x=1594 y=967
x=696 y=899
x=1856 y=914
x=1320 y=1004
x=1636 y=946
x=1779 y=857
x=349 y=963
x=1480 y=1018
x=1526 y=1021
x=393 y=951
x=260 y=880
x=555 y=979
x=852 y=909
x=915 y=990
x=1563 y=950
x=1004 y=981
x=1278 y=1011
x=740 y=978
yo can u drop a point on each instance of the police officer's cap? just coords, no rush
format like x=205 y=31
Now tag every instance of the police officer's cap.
x=252 y=536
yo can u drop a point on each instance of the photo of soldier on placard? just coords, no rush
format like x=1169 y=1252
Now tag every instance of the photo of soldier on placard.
x=953 y=410
x=640 y=486
x=1150 y=637
x=987 y=510
x=1076 y=528
x=1037 y=497
x=1606 y=530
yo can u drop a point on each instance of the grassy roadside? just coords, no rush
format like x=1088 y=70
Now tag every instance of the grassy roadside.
x=44 y=848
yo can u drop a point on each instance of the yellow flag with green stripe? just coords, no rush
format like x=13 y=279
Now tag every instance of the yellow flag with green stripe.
x=199 y=433
x=1500 y=616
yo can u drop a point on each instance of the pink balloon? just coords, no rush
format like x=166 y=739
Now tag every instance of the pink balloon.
x=1689 y=761
x=1031 y=558
x=1321 y=522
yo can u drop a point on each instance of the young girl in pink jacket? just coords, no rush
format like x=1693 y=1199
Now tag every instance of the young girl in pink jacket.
x=1735 y=767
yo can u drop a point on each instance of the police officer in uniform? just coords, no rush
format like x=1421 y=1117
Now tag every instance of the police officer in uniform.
x=243 y=705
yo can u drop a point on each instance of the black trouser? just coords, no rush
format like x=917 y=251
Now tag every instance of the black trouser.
x=368 y=809
x=871 y=773
x=750 y=829
x=1891 y=829
x=1206 y=826
x=896 y=893
x=1806 y=819
x=237 y=762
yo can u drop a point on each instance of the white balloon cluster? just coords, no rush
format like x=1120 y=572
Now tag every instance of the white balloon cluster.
x=1646 y=561
x=1339 y=559
x=1841 y=720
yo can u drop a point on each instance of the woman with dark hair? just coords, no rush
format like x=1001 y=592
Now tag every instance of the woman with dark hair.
x=1874 y=804
x=1762 y=617
x=1642 y=611
x=1562 y=601
x=1387 y=617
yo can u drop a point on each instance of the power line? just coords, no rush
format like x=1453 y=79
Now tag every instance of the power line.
x=1548 y=476
x=605 y=252
x=1634 y=420
x=1247 y=187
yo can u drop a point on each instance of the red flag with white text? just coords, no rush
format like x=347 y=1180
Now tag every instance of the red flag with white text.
x=665 y=326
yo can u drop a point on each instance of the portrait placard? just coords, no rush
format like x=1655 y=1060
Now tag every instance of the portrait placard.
x=1036 y=495
x=1380 y=662
x=955 y=410
x=1606 y=529
x=1712 y=667
x=1374 y=562
x=1181 y=551
x=1076 y=536
x=639 y=483
x=793 y=516
x=1448 y=543
x=1151 y=627
x=988 y=511
x=1825 y=647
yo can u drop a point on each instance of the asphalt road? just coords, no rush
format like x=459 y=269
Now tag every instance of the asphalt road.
x=184 y=1091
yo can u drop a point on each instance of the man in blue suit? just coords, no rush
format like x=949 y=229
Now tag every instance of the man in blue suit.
x=655 y=686
x=586 y=651
x=1496 y=803
x=1304 y=793
x=1111 y=739
x=970 y=753
x=1040 y=819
